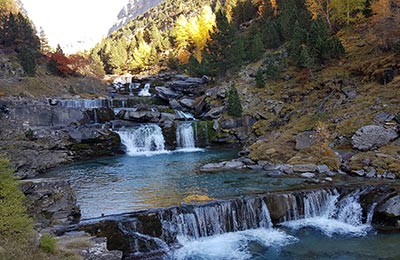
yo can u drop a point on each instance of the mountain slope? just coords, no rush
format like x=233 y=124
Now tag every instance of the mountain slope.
x=131 y=10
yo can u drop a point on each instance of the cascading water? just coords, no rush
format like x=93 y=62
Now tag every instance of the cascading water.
x=145 y=92
x=325 y=210
x=83 y=103
x=185 y=137
x=144 y=140
x=230 y=229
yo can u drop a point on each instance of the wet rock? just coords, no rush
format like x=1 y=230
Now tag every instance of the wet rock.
x=306 y=139
x=372 y=136
x=247 y=161
x=233 y=165
x=301 y=168
x=274 y=173
x=210 y=167
x=329 y=179
x=51 y=201
x=254 y=167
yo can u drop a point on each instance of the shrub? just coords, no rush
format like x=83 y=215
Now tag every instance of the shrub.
x=260 y=80
x=14 y=221
x=48 y=244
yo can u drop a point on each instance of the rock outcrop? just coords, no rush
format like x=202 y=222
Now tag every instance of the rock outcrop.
x=51 y=201
x=373 y=136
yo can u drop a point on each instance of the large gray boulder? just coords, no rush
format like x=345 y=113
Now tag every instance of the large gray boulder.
x=373 y=136
x=391 y=207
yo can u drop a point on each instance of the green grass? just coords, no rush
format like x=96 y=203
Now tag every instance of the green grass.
x=48 y=244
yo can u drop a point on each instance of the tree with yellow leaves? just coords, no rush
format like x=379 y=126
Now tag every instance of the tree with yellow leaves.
x=192 y=35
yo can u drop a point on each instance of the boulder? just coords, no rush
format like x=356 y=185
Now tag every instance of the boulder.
x=233 y=165
x=214 y=113
x=187 y=102
x=142 y=116
x=372 y=136
x=323 y=169
x=301 y=168
x=382 y=117
x=391 y=207
x=210 y=167
x=306 y=139
x=167 y=93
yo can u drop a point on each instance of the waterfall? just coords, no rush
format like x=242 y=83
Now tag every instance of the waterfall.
x=145 y=92
x=144 y=140
x=83 y=103
x=216 y=218
x=185 y=136
x=95 y=116
x=331 y=213
x=240 y=220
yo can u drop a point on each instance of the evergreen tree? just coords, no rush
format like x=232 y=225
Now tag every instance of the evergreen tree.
x=323 y=45
x=219 y=51
x=44 y=43
x=234 y=106
x=27 y=58
x=255 y=46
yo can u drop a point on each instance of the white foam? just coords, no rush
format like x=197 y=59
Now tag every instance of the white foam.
x=230 y=245
x=329 y=227
x=189 y=150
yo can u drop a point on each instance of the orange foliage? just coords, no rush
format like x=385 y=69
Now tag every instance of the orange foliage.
x=62 y=63
x=274 y=4
x=183 y=56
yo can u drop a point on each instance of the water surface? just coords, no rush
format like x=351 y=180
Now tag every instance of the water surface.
x=129 y=183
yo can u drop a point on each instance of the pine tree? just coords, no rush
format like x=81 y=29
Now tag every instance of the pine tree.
x=255 y=46
x=234 y=106
x=44 y=43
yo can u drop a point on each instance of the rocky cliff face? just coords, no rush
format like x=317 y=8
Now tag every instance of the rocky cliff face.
x=131 y=10
x=36 y=135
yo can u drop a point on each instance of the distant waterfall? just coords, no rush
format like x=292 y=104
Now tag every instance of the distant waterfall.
x=83 y=103
x=146 y=139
